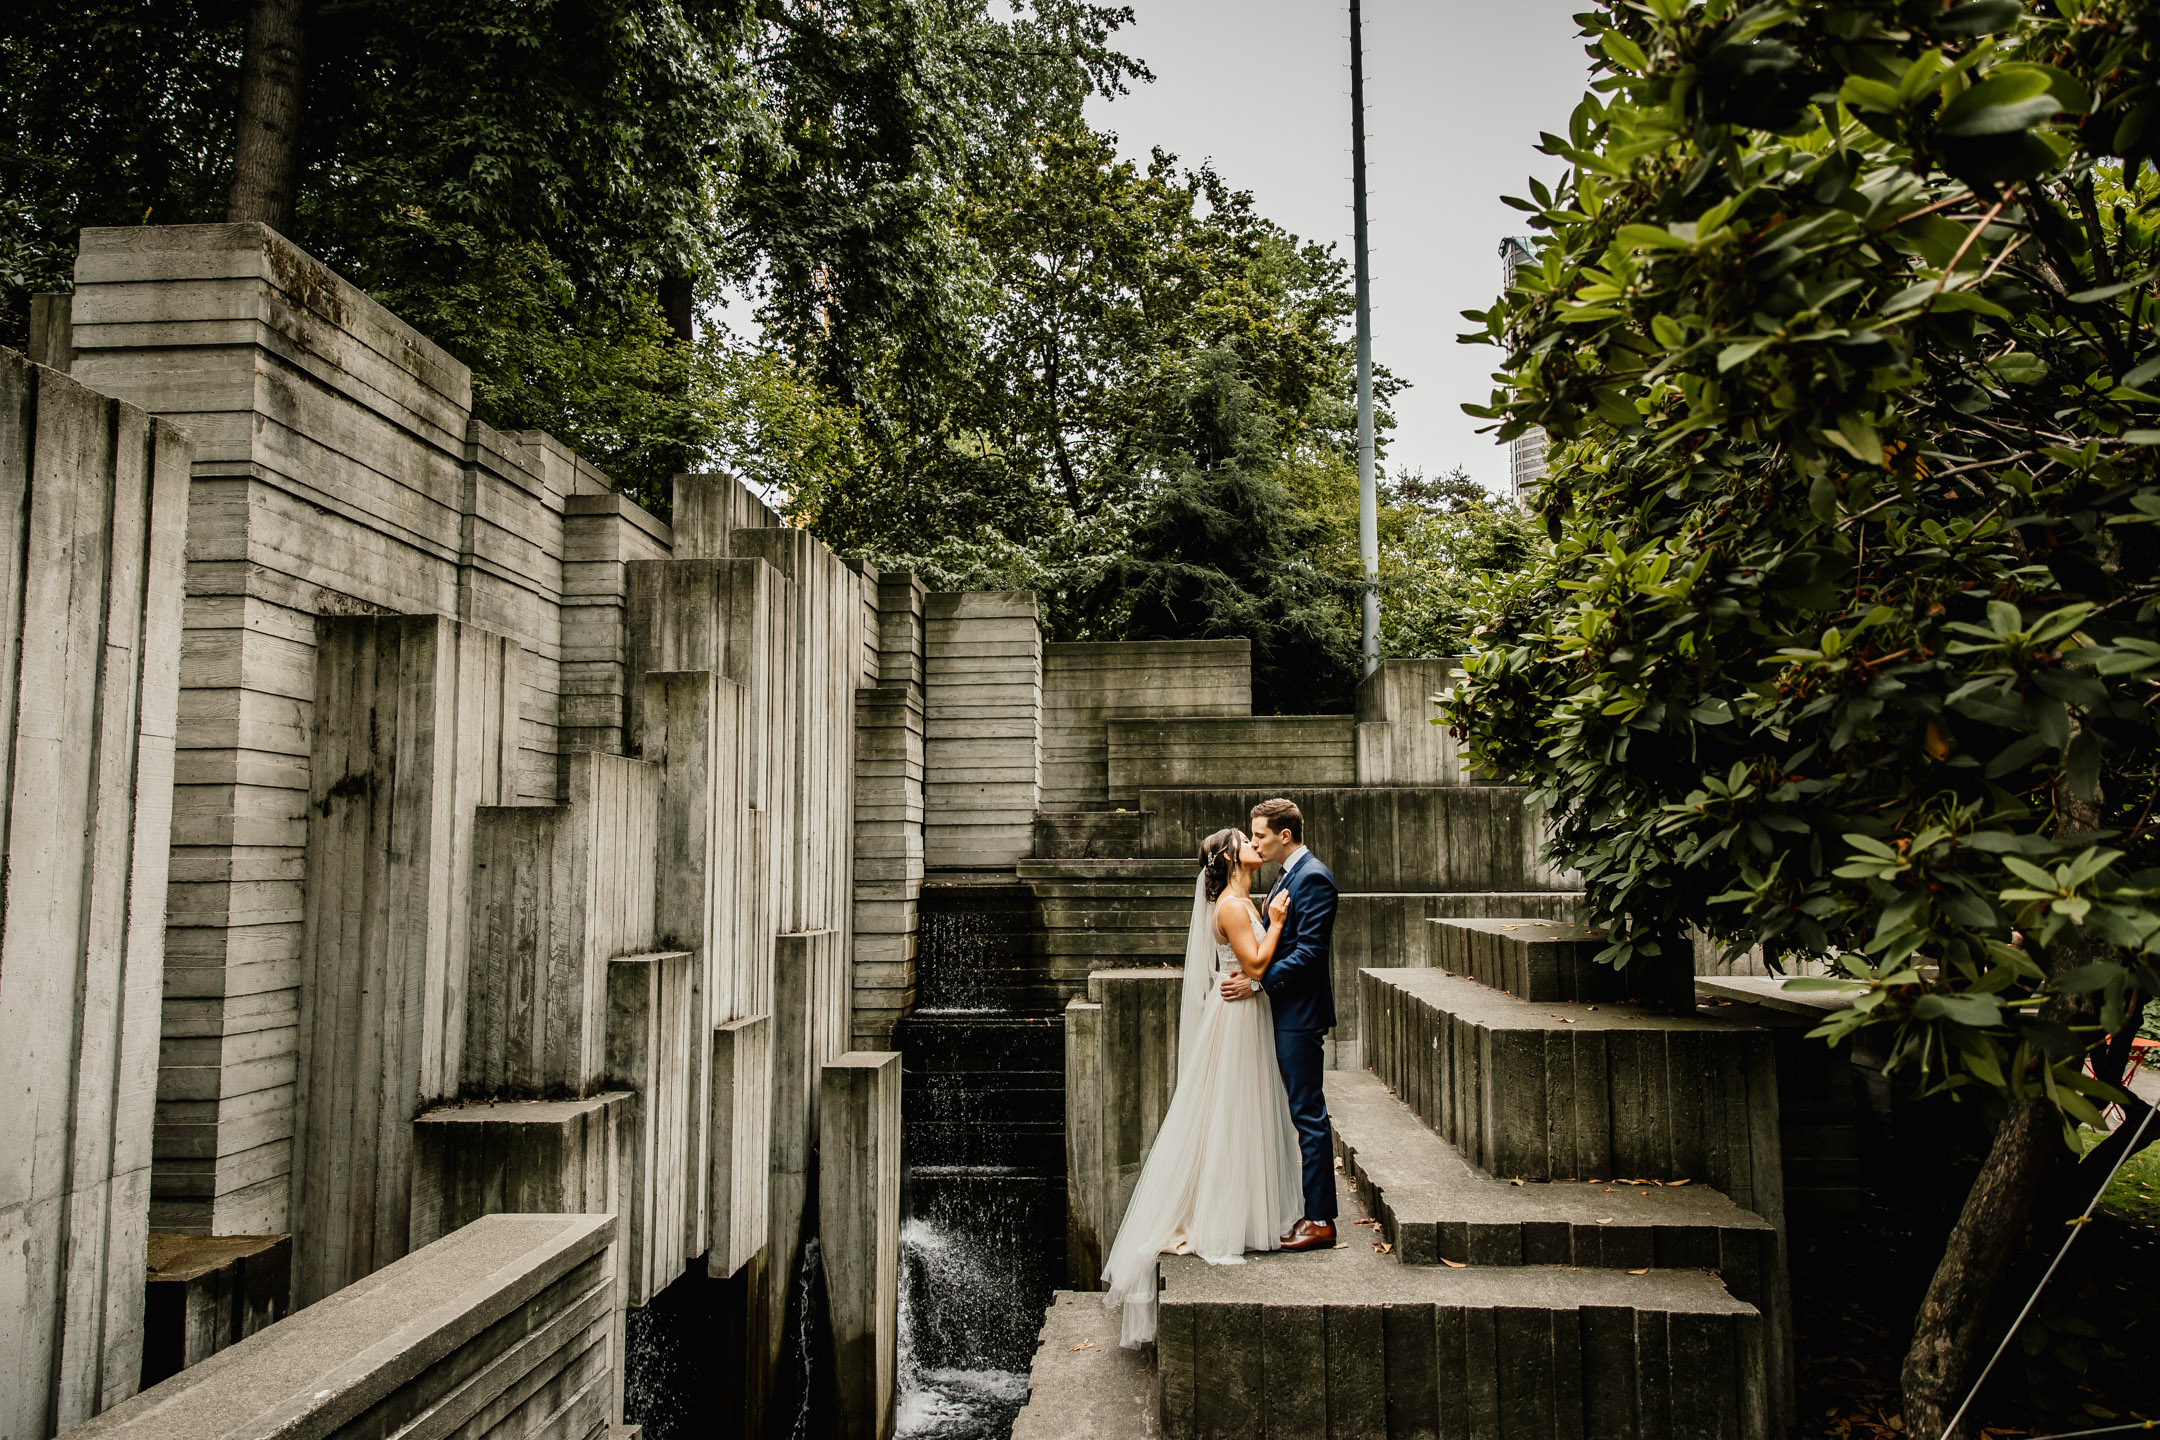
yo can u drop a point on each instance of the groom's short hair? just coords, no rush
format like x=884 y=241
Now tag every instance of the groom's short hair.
x=1282 y=815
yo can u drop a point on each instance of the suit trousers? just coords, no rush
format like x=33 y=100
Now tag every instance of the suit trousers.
x=1299 y=1056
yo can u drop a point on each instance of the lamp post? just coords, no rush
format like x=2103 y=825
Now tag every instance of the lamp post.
x=1368 y=482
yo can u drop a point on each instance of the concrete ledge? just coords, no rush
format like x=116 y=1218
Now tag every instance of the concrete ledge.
x=1434 y=1206
x=1536 y=959
x=494 y=1312
x=1559 y=1090
x=1083 y=1383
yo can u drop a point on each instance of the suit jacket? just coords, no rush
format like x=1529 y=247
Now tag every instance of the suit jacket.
x=1299 y=981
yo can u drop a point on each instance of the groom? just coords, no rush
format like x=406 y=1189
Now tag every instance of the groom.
x=1304 y=994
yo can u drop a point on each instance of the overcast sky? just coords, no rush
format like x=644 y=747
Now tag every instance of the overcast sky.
x=1456 y=93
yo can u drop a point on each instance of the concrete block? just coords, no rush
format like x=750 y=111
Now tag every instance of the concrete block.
x=208 y=1292
x=859 y=1228
x=504 y=1325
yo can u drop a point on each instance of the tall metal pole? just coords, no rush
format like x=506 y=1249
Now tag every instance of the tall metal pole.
x=1368 y=484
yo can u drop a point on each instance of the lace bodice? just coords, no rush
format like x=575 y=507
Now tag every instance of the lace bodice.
x=1226 y=958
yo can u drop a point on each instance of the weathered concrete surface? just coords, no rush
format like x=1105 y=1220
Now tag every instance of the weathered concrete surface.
x=859 y=1234
x=93 y=496
x=337 y=471
x=1563 y=1090
x=1121 y=1056
x=982 y=706
x=1083 y=1384
x=1396 y=742
x=551 y=1157
x=1106 y=914
x=1211 y=753
x=1382 y=839
x=502 y=1326
x=1086 y=686
x=1554 y=960
x=413 y=724
x=1350 y=1341
x=208 y=1292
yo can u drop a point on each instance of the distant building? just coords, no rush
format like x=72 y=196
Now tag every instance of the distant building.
x=1526 y=453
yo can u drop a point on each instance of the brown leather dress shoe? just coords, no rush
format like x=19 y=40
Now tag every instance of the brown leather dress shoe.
x=1311 y=1235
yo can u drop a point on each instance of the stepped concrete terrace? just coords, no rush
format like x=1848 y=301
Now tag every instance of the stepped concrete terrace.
x=1351 y=1343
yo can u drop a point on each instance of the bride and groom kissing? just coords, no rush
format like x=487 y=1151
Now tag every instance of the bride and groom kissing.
x=1241 y=1161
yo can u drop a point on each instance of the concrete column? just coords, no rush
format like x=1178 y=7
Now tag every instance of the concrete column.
x=650 y=1040
x=93 y=504
x=859 y=1226
x=415 y=722
x=740 y=1139
x=1121 y=1057
x=1084 y=1239
x=982 y=698
x=888 y=829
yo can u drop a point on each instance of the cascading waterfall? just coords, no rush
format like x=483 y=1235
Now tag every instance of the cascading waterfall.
x=958 y=1378
x=983 y=1243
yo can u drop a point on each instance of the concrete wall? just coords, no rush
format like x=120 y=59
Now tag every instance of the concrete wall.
x=337 y=471
x=1085 y=686
x=516 y=837
x=93 y=500
x=501 y=1329
x=1121 y=1059
x=982 y=752
x=1277 y=751
x=1397 y=743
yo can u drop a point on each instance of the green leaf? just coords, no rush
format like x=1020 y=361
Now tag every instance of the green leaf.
x=1740 y=353
x=2006 y=101
x=1649 y=237
x=1975 y=1010
x=2018 y=368
x=1624 y=52
x=2097 y=975
x=1980 y=17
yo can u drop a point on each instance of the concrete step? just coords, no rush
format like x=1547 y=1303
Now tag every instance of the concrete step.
x=1559 y=1090
x=1152 y=874
x=1090 y=834
x=1082 y=1382
x=1435 y=1207
x=1379 y=839
x=1350 y=1341
x=1538 y=959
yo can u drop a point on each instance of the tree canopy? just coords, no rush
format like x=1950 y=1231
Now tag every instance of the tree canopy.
x=986 y=344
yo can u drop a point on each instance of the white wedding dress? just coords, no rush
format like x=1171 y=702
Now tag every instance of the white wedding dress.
x=1222 y=1176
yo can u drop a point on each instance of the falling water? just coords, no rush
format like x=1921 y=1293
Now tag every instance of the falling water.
x=983 y=1245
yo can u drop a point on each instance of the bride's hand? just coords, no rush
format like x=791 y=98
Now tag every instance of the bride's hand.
x=1278 y=907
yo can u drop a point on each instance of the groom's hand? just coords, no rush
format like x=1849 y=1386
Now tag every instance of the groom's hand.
x=1236 y=987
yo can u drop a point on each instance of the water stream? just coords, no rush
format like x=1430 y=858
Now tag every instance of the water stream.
x=983 y=1243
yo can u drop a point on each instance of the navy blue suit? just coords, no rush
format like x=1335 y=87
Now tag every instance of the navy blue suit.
x=1302 y=991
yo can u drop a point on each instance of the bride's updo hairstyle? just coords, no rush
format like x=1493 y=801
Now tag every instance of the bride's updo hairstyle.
x=1217 y=854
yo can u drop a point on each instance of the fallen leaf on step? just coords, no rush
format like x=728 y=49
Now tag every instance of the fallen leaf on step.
x=1644 y=1271
x=1605 y=1220
x=1455 y=1264
x=1084 y=1345
x=1676 y=1182
x=1383 y=1247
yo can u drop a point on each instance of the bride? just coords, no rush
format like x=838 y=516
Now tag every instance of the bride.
x=1222 y=1176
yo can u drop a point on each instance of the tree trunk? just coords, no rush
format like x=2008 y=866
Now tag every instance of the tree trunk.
x=266 y=131
x=678 y=302
x=1981 y=1244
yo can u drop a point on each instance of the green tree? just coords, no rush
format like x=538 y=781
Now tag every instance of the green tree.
x=1222 y=551
x=1111 y=287
x=1842 y=326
